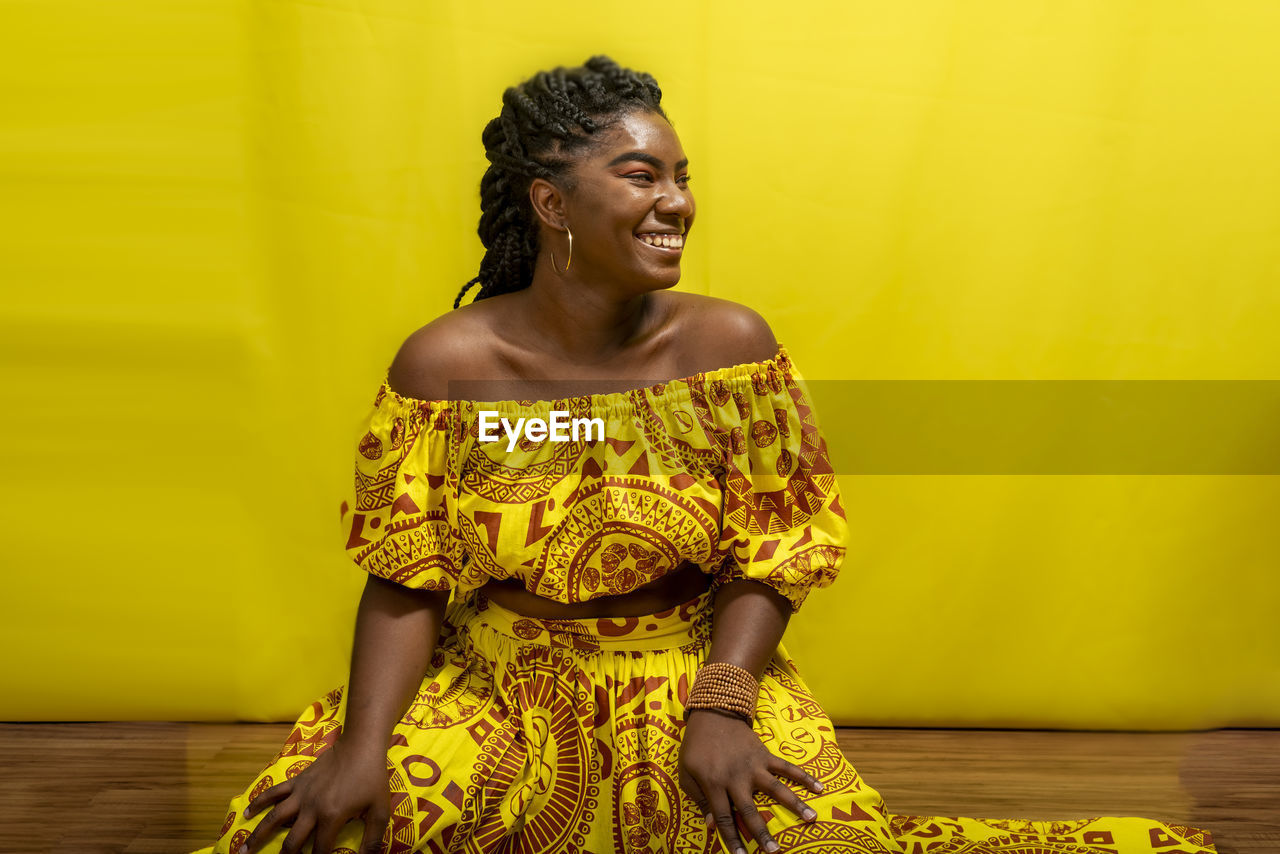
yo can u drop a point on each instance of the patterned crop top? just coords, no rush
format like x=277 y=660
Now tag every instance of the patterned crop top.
x=726 y=468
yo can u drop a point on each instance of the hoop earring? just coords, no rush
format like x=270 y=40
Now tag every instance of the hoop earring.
x=568 y=262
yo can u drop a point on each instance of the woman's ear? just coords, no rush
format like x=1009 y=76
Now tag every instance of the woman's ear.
x=548 y=203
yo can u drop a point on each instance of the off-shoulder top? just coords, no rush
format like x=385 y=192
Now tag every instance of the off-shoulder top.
x=726 y=468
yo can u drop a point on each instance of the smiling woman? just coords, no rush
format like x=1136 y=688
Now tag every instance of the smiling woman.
x=621 y=177
x=574 y=646
x=638 y=195
x=628 y=198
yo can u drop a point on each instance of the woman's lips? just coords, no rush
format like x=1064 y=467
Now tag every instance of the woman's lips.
x=669 y=250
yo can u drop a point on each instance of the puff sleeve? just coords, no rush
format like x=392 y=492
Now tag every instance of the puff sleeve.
x=783 y=523
x=400 y=516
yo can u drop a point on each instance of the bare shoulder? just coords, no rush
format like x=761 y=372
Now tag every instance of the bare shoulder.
x=453 y=346
x=722 y=333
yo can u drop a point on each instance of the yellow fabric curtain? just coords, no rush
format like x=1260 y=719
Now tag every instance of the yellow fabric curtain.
x=221 y=218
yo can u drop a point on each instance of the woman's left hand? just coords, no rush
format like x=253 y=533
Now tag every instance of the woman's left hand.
x=723 y=764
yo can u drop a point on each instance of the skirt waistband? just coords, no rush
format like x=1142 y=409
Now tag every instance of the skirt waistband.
x=687 y=624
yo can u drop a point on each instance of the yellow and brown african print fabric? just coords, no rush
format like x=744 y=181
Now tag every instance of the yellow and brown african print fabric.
x=726 y=469
x=535 y=736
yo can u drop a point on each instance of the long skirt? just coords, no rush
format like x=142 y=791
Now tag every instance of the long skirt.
x=533 y=735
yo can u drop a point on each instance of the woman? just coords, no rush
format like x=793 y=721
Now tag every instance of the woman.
x=608 y=674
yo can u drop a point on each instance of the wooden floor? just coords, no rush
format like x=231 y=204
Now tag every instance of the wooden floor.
x=162 y=788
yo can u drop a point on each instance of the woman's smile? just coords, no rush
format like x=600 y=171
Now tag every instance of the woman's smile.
x=668 y=244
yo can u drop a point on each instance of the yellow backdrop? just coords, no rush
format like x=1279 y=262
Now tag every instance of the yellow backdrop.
x=220 y=219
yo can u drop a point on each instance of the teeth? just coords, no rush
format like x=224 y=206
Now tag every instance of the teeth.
x=668 y=241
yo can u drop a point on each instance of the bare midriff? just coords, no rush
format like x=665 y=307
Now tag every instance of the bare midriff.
x=676 y=587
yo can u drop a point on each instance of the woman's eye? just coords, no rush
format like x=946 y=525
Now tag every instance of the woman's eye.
x=683 y=179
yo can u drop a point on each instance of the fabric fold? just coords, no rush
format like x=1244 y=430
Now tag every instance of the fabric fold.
x=563 y=736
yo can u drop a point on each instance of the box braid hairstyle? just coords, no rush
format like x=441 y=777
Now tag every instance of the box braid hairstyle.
x=544 y=122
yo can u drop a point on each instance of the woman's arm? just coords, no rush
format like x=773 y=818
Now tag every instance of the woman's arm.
x=396 y=633
x=750 y=618
x=720 y=755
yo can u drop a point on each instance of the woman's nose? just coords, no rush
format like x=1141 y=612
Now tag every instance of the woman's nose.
x=676 y=200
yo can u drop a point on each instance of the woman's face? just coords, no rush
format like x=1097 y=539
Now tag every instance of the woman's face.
x=632 y=193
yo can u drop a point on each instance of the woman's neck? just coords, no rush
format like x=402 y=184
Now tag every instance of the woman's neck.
x=572 y=321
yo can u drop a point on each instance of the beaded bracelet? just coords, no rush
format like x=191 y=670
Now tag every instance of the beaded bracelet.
x=726 y=688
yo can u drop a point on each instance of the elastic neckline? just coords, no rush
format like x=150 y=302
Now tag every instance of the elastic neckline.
x=672 y=389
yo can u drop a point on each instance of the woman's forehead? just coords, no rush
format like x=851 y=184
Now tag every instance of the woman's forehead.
x=641 y=133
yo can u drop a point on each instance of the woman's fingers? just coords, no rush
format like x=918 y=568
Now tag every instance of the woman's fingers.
x=375 y=822
x=278 y=792
x=722 y=809
x=750 y=816
x=326 y=834
x=691 y=788
x=298 y=834
x=783 y=768
x=277 y=818
x=779 y=791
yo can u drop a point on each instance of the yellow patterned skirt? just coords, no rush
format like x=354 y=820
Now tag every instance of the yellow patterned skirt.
x=532 y=735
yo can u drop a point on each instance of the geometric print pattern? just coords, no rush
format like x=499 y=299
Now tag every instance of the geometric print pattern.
x=541 y=736
x=726 y=469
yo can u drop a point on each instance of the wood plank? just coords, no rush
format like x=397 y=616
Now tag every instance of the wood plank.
x=160 y=788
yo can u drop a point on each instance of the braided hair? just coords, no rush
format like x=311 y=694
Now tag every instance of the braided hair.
x=544 y=122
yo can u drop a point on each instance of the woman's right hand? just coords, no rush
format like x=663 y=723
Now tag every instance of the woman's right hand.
x=343 y=783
